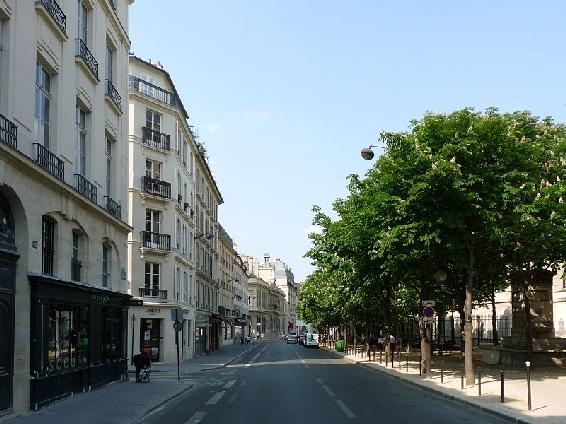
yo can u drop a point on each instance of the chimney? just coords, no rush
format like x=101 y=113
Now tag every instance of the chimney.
x=149 y=60
x=266 y=258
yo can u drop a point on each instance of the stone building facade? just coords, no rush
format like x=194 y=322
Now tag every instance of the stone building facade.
x=63 y=202
x=174 y=202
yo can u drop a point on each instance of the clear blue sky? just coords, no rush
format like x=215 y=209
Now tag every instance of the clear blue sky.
x=284 y=93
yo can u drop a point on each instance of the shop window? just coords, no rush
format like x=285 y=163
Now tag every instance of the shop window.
x=48 y=244
x=112 y=335
x=67 y=337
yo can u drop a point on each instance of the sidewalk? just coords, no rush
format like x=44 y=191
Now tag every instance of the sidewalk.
x=128 y=401
x=548 y=386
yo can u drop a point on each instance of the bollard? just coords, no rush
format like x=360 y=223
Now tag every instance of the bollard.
x=442 y=371
x=528 y=364
x=407 y=362
x=420 y=364
x=386 y=359
x=374 y=354
x=479 y=381
x=462 y=377
x=380 y=352
x=392 y=358
x=502 y=374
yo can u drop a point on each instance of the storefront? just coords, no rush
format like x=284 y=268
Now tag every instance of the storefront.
x=201 y=333
x=78 y=338
x=150 y=337
x=215 y=321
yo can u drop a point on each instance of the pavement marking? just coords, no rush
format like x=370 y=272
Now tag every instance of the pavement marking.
x=196 y=418
x=344 y=408
x=229 y=384
x=233 y=398
x=302 y=360
x=327 y=390
x=215 y=398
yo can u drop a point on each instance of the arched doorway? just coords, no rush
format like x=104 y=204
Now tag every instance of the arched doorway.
x=8 y=259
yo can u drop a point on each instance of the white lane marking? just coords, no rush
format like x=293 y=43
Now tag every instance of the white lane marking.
x=344 y=408
x=327 y=390
x=302 y=360
x=229 y=384
x=233 y=398
x=215 y=398
x=249 y=364
x=256 y=356
x=196 y=418
x=319 y=380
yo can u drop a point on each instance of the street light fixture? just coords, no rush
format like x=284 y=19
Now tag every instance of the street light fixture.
x=208 y=236
x=367 y=152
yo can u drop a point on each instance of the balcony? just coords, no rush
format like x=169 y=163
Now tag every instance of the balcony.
x=84 y=53
x=156 y=241
x=85 y=187
x=113 y=4
x=156 y=139
x=8 y=132
x=113 y=94
x=153 y=91
x=153 y=293
x=56 y=14
x=156 y=187
x=76 y=266
x=113 y=207
x=49 y=160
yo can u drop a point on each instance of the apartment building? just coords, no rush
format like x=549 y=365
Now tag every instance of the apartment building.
x=266 y=308
x=173 y=198
x=226 y=294
x=242 y=321
x=63 y=208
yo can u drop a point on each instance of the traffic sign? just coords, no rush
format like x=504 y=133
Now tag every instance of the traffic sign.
x=429 y=303
x=177 y=326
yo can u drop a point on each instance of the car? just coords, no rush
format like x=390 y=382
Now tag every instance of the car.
x=301 y=339
x=311 y=340
x=292 y=338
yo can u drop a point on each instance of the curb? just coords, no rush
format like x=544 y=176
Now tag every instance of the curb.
x=435 y=392
x=162 y=403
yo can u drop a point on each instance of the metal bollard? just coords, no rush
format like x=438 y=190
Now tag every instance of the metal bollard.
x=462 y=377
x=442 y=371
x=380 y=352
x=407 y=362
x=393 y=358
x=386 y=358
x=528 y=364
x=502 y=378
x=479 y=381
x=420 y=364
x=374 y=354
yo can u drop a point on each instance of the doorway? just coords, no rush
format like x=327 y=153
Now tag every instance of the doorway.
x=150 y=337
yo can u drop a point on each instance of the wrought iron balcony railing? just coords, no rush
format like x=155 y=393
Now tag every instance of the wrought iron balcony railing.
x=156 y=187
x=156 y=241
x=112 y=4
x=85 y=187
x=155 y=293
x=113 y=94
x=113 y=207
x=156 y=139
x=76 y=266
x=56 y=13
x=151 y=90
x=8 y=132
x=84 y=53
x=49 y=160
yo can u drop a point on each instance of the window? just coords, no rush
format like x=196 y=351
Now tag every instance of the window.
x=185 y=287
x=106 y=266
x=153 y=120
x=48 y=244
x=67 y=337
x=146 y=88
x=191 y=291
x=42 y=105
x=109 y=63
x=108 y=154
x=178 y=284
x=152 y=278
x=152 y=220
x=82 y=21
x=80 y=147
x=75 y=258
x=3 y=25
x=153 y=169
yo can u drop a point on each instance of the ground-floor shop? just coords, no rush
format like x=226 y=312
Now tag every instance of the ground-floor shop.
x=152 y=332
x=78 y=338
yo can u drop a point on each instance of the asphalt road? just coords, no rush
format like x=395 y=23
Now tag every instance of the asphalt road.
x=280 y=383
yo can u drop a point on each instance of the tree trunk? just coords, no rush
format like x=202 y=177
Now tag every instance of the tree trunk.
x=425 y=349
x=468 y=358
x=526 y=287
x=494 y=319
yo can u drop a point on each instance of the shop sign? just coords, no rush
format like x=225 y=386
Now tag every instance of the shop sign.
x=99 y=298
x=153 y=311
x=134 y=302
x=201 y=317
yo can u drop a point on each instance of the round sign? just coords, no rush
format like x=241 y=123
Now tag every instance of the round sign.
x=177 y=326
x=428 y=311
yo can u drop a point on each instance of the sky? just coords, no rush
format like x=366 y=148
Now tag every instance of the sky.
x=285 y=93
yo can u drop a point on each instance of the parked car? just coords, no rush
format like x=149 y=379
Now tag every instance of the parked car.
x=301 y=339
x=292 y=338
x=311 y=340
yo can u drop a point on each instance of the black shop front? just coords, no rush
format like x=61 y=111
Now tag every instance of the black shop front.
x=78 y=338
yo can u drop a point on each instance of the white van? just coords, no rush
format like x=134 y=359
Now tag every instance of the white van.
x=311 y=340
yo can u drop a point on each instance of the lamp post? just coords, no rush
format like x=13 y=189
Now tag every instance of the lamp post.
x=133 y=327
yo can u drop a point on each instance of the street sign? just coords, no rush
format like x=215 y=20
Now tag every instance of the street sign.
x=177 y=326
x=176 y=314
x=429 y=303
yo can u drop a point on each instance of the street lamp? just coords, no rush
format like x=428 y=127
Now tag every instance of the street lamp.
x=367 y=152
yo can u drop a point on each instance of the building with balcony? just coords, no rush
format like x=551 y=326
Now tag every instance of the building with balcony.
x=281 y=275
x=173 y=203
x=266 y=308
x=63 y=208
x=226 y=292
x=242 y=320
